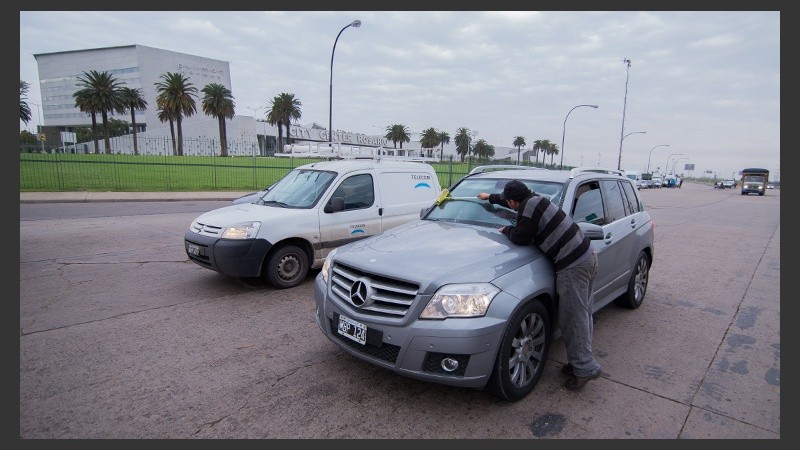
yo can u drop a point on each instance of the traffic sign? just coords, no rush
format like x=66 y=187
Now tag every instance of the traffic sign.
x=42 y=137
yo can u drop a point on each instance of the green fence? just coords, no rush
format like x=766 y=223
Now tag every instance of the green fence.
x=61 y=172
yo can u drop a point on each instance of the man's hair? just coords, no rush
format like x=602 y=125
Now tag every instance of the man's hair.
x=516 y=190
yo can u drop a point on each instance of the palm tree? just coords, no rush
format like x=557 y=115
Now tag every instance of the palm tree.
x=177 y=95
x=546 y=144
x=132 y=99
x=519 y=142
x=397 y=133
x=218 y=102
x=552 y=150
x=103 y=88
x=167 y=116
x=86 y=102
x=462 y=140
x=429 y=138
x=538 y=145
x=275 y=118
x=483 y=149
x=444 y=138
x=24 y=109
x=284 y=108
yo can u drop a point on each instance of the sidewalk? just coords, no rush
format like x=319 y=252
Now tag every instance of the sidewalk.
x=85 y=197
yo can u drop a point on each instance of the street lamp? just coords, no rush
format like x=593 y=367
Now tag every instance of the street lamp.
x=666 y=166
x=564 y=131
x=627 y=63
x=675 y=163
x=356 y=23
x=41 y=124
x=651 y=154
x=619 y=163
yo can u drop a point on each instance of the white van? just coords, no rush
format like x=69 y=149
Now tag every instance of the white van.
x=636 y=176
x=311 y=210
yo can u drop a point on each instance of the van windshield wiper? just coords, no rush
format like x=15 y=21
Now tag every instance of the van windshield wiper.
x=273 y=202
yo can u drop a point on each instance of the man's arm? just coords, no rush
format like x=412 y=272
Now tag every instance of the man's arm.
x=495 y=199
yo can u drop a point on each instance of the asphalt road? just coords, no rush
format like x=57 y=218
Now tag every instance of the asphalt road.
x=120 y=336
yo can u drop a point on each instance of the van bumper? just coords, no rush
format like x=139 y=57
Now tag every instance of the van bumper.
x=231 y=257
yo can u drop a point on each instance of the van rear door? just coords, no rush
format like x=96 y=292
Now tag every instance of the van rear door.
x=404 y=193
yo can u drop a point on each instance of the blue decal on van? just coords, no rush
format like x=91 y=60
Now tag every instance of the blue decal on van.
x=356 y=231
x=422 y=185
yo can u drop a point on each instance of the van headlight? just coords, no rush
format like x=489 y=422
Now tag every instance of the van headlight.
x=326 y=266
x=460 y=300
x=244 y=230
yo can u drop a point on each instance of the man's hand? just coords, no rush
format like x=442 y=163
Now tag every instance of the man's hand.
x=483 y=196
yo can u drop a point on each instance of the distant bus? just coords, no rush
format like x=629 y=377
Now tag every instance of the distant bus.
x=754 y=181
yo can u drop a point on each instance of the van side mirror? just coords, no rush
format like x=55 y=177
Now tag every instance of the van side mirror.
x=591 y=230
x=336 y=204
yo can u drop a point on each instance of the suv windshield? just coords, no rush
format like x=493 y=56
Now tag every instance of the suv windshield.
x=463 y=205
x=300 y=188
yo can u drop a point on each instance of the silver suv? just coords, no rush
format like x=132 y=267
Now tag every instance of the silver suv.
x=449 y=299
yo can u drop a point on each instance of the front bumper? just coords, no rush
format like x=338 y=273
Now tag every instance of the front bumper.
x=231 y=257
x=416 y=348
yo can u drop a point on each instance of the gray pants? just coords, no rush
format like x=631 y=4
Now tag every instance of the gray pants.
x=574 y=288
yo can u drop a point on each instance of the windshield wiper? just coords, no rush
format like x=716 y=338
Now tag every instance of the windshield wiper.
x=273 y=202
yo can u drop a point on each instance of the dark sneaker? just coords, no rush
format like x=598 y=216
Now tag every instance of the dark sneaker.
x=567 y=369
x=574 y=383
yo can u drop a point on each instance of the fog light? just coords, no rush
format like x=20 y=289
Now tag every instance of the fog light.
x=449 y=364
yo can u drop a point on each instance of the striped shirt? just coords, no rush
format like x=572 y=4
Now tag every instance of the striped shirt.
x=546 y=225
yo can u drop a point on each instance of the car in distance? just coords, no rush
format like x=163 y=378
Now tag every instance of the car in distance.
x=449 y=299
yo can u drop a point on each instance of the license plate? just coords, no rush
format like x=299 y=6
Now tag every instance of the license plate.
x=193 y=249
x=353 y=330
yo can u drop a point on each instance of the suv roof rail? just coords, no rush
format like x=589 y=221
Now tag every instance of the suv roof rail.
x=492 y=167
x=577 y=170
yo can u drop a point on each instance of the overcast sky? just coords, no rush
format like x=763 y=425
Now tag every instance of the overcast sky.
x=705 y=83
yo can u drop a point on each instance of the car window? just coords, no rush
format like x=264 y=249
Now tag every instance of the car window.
x=632 y=202
x=588 y=204
x=615 y=208
x=357 y=191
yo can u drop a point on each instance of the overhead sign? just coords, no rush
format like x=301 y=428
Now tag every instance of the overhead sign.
x=688 y=167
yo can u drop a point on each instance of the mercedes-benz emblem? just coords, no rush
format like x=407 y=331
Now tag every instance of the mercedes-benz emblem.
x=359 y=293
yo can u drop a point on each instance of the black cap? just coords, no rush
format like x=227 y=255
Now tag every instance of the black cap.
x=516 y=190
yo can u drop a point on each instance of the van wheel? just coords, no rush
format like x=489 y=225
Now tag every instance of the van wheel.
x=287 y=267
x=637 y=285
x=523 y=352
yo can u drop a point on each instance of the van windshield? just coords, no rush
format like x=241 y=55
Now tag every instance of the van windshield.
x=300 y=188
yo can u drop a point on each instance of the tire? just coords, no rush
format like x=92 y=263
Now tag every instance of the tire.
x=287 y=267
x=523 y=352
x=637 y=286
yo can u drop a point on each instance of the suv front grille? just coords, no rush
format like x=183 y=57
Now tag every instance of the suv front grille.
x=387 y=297
x=386 y=352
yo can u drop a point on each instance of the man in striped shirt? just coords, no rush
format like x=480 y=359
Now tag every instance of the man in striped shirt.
x=541 y=223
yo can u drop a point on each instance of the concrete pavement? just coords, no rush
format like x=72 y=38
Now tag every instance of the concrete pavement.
x=84 y=196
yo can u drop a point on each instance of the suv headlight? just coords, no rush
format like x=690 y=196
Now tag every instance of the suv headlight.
x=460 y=300
x=244 y=230
x=326 y=266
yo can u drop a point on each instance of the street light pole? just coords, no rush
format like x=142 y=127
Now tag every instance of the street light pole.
x=651 y=154
x=624 y=105
x=619 y=163
x=666 y=166
x=563 y=133
x=356 y=23
x=41 y=125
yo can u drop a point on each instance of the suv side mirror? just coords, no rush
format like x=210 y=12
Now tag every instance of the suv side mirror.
x=591 y=230
x=336 y=204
